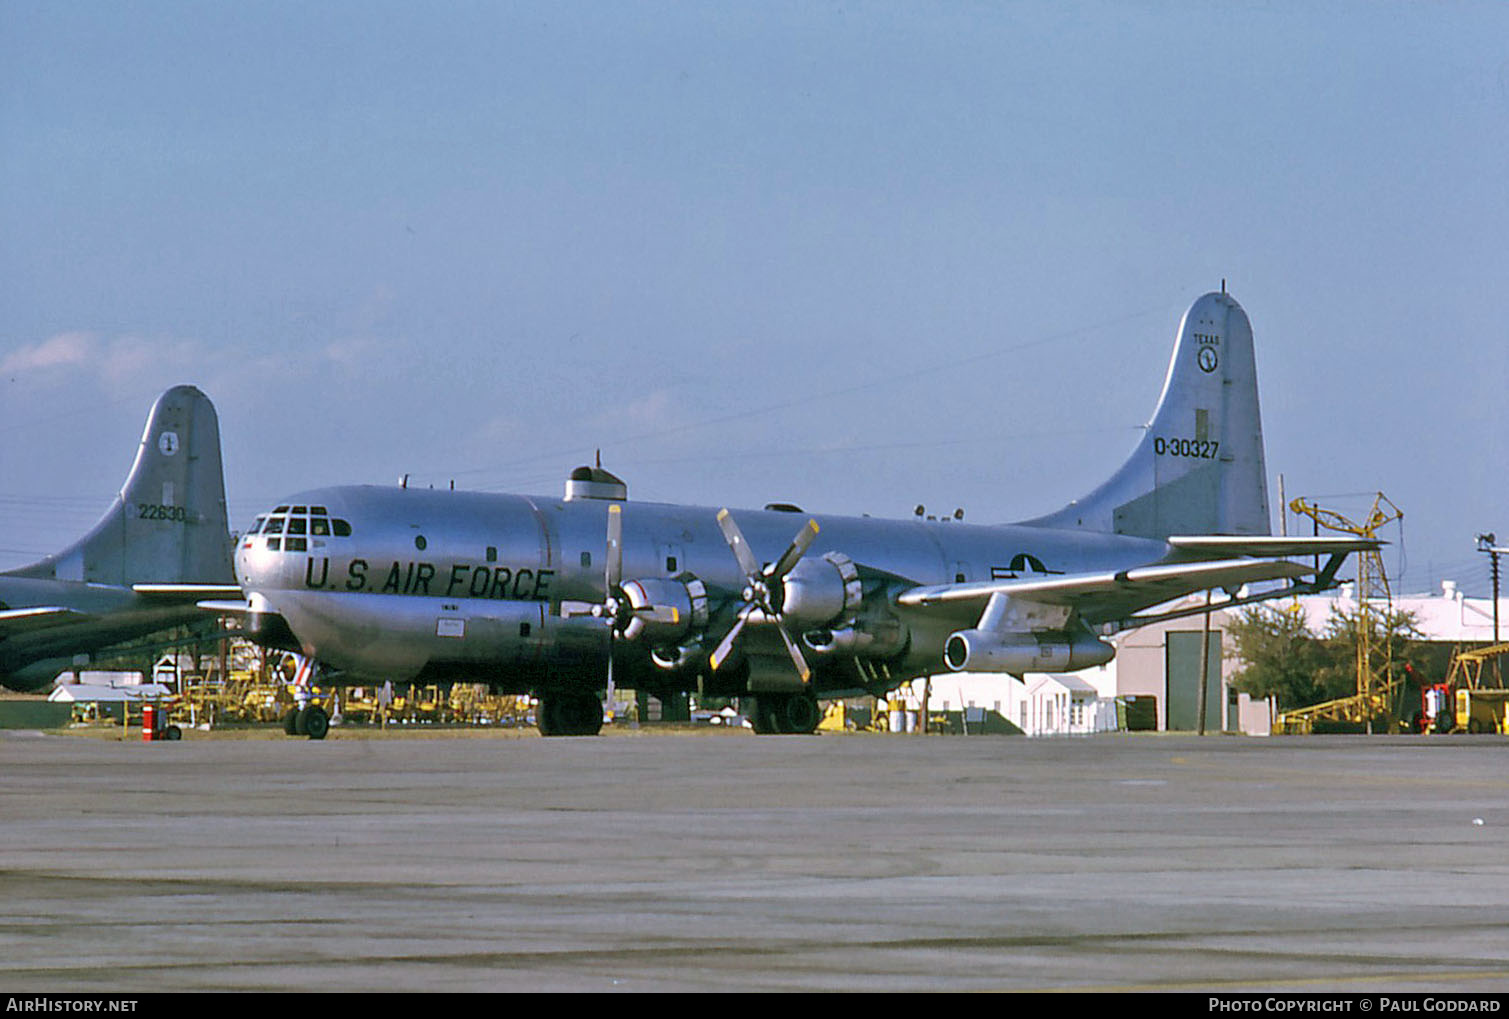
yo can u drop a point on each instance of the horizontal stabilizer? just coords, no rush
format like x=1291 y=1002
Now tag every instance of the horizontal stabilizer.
x=1268 y=547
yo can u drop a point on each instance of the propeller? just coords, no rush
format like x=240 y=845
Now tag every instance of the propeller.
x=761 y=586
x=612 y=578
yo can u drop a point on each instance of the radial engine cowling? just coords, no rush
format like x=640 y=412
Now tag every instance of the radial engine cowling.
x=819 y=591
x=663 y=612
x=1048 y=651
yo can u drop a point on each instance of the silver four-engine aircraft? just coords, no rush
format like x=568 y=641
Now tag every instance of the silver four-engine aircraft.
x=563 y=598
x=163 y=546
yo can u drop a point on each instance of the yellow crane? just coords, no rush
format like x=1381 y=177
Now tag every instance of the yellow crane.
x=1377 y=686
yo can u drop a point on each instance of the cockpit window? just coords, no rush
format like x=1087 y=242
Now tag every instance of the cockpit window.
x=290 y=524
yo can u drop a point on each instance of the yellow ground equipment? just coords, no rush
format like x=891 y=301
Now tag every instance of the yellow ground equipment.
x=1476 y=676
x=1374 y=703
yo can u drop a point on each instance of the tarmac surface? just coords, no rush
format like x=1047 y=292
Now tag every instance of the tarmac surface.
x=729 y=862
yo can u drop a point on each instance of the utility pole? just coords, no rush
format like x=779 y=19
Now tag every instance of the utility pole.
x=1489 y=543
x=1204 y=668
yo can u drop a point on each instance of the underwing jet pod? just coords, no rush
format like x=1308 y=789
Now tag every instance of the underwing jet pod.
x=562 y=598
x=163 y=545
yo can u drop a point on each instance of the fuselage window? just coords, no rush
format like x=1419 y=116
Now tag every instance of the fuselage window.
x=342 y=529
x=492 y=553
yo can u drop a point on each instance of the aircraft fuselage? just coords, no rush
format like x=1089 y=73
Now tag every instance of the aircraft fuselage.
x=492 y=588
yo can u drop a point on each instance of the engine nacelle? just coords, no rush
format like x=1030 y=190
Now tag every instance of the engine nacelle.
x=1049 y=651
x=663 y=612
x=818 y=591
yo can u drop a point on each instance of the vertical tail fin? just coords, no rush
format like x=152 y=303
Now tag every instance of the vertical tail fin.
x=1199 y=469
x=169 y=522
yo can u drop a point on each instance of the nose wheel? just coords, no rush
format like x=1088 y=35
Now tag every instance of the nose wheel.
x=309 y=721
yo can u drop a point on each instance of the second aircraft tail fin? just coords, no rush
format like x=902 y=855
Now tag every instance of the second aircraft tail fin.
x=169 y=523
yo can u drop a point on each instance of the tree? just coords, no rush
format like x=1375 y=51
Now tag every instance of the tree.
x=1281 y=656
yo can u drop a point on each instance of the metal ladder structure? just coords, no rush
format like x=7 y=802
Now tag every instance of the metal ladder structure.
x=1377 y=687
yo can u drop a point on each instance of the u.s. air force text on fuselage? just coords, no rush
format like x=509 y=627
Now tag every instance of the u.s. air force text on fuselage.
x=427 y=579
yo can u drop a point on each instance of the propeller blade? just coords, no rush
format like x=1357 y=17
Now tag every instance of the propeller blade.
x=797 y=549
x=608 y=699
x=613 y=570
x=735 y=538
x=796 y=655
x=726 y=645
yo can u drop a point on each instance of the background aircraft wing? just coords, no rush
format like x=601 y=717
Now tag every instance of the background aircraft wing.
x=1104 y=597
x=37 y=617
x=187 y=592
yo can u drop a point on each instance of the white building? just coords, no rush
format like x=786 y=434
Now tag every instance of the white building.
x=1042 y=704
x=1449 y=617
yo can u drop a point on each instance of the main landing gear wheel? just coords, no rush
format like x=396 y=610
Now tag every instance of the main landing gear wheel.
x=570 y=714
x=786 y=714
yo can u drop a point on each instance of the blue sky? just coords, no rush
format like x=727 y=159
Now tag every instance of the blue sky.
x=856 y=256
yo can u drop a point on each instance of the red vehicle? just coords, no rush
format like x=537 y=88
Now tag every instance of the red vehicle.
x=1435 y=711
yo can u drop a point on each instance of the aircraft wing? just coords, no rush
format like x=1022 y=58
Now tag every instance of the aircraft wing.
x=1105 y=597
x=39 y=617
